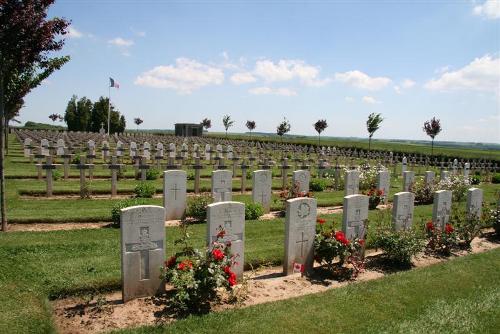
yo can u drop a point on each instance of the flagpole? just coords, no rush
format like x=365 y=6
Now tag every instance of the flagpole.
x=109 y=108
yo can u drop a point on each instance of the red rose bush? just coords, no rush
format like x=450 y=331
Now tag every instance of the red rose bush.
x=199 y=277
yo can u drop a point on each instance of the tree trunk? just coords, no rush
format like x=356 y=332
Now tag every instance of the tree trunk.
x=319 y=140
x=3 y=206
x=369 y=143
x=432 y=147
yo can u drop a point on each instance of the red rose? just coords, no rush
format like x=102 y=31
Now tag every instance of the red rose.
x=170 y=262
x=321 y=221
x=380 y=192
x=339 y=235
x=184 y=265
x=227 y=270
x=217 y=254
x=228 y=243
x=221 y=234
x=362 y=242
x=448 y=228
x=345 y=241
x=232 y=279
x=429 y=226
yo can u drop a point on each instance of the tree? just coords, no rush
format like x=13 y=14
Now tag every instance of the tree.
x=56 y=117
x=138 y=122
x=432 y=128
x=83 y=115
x=27 y=42
x=78 y=113
x=250 y=126
x=372 y=125
x=226 y=120
x=283 y=128
x=206 y=123
x=320 y=126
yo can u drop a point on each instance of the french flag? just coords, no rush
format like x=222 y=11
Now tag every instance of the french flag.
x=113 y=83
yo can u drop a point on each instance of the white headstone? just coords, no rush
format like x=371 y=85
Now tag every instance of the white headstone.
x=474 y=202
x=354 y=216
x=261 y=188
x=60 y=147
x=429 y=178
x=444 y=175
x=146 y=150
x=300 y=231
x=404 y=165
x=207 y=152
x=159 y=150
x=466 y=170
x=442 y=208
x=229 y=216
x=408 y=180
x=142 y=230
x=44 y=147
x=171 y=148
x=351 y=182
x=301 y=179
x=174 y=194
x=402 y=210
x=222 y=185
x=132 y=149
x=383 y=183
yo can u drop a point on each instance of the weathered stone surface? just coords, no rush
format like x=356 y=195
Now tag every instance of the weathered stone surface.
x=222 y=185
x=402 y=210
x=300 y=230
x=442 y=208
x=229 y=216
x=475 y=202
x=261 y=188
x=351 y=183
x=354 y=216
x=142 y=230
x=174 y=193
x=301 y=179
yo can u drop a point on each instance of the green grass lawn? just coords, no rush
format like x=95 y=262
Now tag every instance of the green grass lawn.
x=459 y=296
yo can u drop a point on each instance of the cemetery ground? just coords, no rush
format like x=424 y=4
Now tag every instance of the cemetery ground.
x=37 y=268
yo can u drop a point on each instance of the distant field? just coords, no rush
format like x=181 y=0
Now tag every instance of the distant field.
x=447 y=149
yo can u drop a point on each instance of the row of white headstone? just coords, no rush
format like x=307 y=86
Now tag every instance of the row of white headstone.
x=143 y=233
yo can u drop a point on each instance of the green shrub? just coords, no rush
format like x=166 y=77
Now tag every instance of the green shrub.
x=152 y=174
x=398 y=246
x=57 y=174
x=76 y=159
x=249 y=175
x=253 y=211
x=318 y=184
x=144 y=190
x=467 y=226
x=424 y=193
x=115 y=210
x=197 y=207
x=475 y=180
x=495 y=179
x=190 y=175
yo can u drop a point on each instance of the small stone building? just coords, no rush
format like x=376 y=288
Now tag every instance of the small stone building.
x=188 y=129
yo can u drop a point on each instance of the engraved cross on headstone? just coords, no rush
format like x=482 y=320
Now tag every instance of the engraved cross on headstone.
x=144 y=246
x=301 y=242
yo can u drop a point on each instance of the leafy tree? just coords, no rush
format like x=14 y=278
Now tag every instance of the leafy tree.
x=250 y=126
x=283 y=128
x=320 y=126
x=206 y=123
x=56 y=117
x=138 y=122
x=372 y=125
x=83 y=115
x=27 y=42
x=432 y=128
x=226 y=120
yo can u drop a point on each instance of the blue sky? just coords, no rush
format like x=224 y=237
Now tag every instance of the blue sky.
x=265 y=60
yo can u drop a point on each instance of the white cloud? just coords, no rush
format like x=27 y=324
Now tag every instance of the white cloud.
x=349 y=99
x=405 y=84
x=184 y=77
x=121 y=42
x=285 y=70
x=442 y=69
x=359 y=79
x=408 y=83
x=272 y=91
x=489 y=9
x=242 y=78
x=73 y=33
x=482 y=74
x=370 y=100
